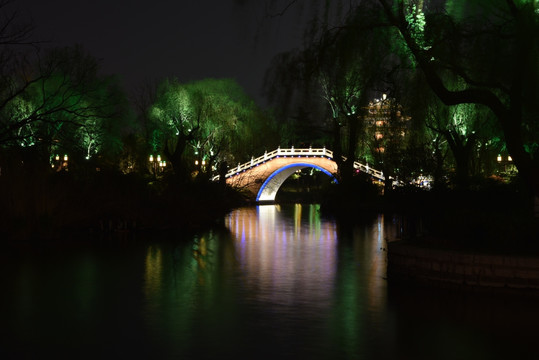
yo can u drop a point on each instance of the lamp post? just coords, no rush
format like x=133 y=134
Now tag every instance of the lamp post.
x=506 y=162
x=157 y=165
x=200 y=165
x=60 y=163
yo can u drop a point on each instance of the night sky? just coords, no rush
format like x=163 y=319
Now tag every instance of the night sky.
x=189 y=39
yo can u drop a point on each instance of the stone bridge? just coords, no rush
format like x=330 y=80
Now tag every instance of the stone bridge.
x=263 y=176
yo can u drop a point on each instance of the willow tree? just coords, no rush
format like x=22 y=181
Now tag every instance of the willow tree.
x=471 y=136
x=344 y=66
x=345 y=77
x=492 y=47
x=205 y=122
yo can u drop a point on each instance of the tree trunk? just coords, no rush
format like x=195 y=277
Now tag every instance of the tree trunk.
x=461 y=147
x=337 y=146
x=174 y=155
x=528 y=170
x=348 y=165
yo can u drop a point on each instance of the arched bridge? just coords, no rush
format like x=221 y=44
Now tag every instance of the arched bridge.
x=263 y=176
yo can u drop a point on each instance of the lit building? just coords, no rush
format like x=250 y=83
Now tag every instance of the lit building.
x=385 y=119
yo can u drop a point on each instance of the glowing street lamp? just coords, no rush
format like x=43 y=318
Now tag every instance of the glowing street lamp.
x=156 y=163
x=60 y=162
x=499 y=158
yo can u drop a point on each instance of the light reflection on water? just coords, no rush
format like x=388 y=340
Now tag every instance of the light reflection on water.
x=281 y=282
x=286 y=262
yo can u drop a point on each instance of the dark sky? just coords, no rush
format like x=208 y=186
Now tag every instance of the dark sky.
x=188 y=39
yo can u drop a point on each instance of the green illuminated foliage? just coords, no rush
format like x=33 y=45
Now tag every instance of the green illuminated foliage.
x=416 y=21
x=63 y=105
x=485 y=53
x=344 y=66
x=209 y=120
x=478 y=57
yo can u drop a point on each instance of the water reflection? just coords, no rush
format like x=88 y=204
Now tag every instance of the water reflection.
x=286 y=261
x=283 y=279
x=153 y=271
x=301 y=266
x=188 y=304
x=282 y=282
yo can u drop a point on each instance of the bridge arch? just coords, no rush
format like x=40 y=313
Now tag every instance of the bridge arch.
x=273 y=183
x=262 y=177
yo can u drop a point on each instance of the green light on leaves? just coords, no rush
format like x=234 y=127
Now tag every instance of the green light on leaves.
x=416 y=23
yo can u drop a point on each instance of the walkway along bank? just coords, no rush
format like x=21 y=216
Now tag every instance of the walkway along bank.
x=451 y=268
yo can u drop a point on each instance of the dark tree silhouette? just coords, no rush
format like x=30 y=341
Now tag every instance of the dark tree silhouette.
x=493 y=48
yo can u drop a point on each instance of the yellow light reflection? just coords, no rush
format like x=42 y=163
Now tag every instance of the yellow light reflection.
x=285 y=260
x=153 y=271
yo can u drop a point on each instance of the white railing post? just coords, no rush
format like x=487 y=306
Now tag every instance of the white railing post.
x=279 y=150
x=265 y=154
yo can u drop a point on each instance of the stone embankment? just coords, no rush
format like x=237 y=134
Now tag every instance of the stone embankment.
x=462 y=269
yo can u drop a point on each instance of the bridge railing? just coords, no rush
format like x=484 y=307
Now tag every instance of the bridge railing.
x=320 y=152
x=300 y=152
x=367 y=169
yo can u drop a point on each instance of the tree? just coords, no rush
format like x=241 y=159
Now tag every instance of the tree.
x=342 y=66
x=14 y=35
x=468 y=131
x=54 y=100
x=493 y=49
x=490 y=47
x=207 y=120
x=62 y=104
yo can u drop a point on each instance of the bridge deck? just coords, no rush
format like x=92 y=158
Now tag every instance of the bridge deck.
x=301 y=152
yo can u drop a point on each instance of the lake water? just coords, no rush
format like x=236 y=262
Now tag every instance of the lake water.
x=279 y=282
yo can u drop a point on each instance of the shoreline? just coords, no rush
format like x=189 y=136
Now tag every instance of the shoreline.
x=462 y=269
